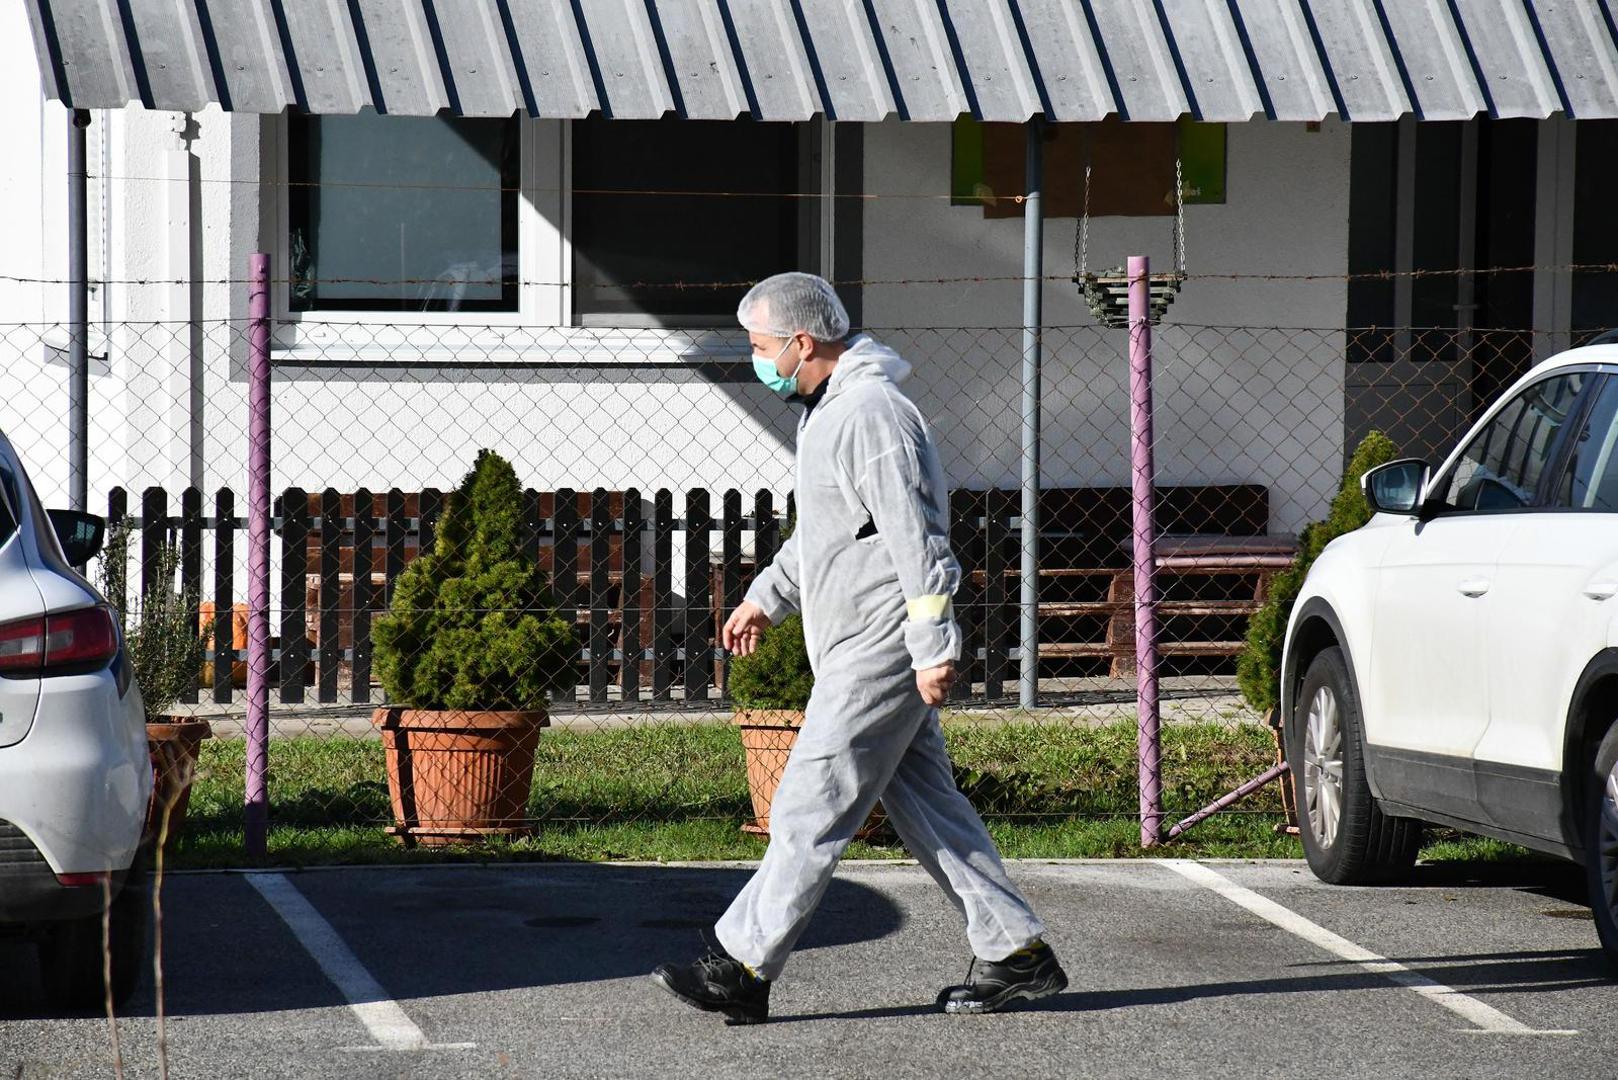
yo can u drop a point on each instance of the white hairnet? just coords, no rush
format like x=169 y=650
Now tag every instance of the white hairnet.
x=786 y=304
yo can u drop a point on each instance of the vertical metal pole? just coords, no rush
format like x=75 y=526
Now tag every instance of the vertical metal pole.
x=1033 y=261
x=258 y=554
x=1404 y=239
x=1143 y=471
x=78 y=315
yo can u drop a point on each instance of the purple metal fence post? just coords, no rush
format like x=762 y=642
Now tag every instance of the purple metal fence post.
x=1144 y=477
x=258 y=555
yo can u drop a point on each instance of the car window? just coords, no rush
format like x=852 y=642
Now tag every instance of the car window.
x=8 y=503
x=1502 y=466
x=1590 y=481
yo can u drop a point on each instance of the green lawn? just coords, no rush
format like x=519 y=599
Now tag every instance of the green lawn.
x=676 y=792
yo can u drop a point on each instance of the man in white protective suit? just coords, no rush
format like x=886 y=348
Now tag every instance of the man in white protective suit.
x=870 y=569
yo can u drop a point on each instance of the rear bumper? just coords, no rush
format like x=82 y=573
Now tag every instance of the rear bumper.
x=76 y=787
x=29 y=891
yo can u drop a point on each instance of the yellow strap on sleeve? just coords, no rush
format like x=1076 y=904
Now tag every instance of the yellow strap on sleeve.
x=928 y=607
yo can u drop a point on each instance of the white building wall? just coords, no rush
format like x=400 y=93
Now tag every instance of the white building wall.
x=1232 y=406
x=169 y=406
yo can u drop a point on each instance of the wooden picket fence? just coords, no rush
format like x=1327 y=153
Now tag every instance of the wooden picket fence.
x=640 y=640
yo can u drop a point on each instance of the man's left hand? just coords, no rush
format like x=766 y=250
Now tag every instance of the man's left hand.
x=935 y=682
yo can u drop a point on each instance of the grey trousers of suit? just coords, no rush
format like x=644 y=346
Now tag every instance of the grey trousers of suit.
x=839 y=767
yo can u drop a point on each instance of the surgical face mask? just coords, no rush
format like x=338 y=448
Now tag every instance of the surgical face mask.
x=783 y=385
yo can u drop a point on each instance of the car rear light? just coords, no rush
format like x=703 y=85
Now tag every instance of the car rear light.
x=22 y=647
x=61 y=643
x=73 y=881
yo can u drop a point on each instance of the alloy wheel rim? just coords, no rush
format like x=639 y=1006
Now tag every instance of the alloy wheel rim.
x=1323 y=774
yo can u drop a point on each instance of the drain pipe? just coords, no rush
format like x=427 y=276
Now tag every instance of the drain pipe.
x=78 y=314
x=1032 y=319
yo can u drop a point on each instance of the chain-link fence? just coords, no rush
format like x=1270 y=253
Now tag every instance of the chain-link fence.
x=650 y=478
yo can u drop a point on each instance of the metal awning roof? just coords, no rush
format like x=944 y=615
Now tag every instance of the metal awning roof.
x=866 y=60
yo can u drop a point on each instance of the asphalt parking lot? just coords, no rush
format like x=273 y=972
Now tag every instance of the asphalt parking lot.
x=1177 y=969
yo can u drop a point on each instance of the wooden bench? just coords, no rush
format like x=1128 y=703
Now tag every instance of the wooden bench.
x=1245 y=563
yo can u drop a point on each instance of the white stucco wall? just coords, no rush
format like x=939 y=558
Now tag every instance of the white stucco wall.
x=1232 y=406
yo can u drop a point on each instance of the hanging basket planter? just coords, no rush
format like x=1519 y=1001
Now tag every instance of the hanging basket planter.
x=1107 y=295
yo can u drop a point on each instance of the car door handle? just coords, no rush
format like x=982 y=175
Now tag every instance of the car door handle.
x=1474 y=586
x=1601 y=590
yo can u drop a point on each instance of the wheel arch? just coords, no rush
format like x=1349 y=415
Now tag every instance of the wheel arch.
x=1592 y=712
x=1315 y=628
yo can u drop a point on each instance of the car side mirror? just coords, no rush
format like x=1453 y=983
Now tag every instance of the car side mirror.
x=1395 y=488
x=80 y=534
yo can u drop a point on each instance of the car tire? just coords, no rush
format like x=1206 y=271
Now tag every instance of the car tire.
x=1601 y=842
x=1347 y=839
x=71 y=960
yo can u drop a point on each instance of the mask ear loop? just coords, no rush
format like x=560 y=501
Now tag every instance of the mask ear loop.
x=801 y=361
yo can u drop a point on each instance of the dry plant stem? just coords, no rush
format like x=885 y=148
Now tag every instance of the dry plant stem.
x=157 y=915
x=106 y=974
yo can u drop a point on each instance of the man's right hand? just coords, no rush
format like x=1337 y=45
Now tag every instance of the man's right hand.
x=744 y=628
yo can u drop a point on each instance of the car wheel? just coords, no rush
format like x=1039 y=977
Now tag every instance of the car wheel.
x=1347 y=840
x=72 y=961
x=1601 y=842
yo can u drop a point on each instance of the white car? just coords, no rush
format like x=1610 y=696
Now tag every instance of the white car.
x=1455 y=661
x=75 y=775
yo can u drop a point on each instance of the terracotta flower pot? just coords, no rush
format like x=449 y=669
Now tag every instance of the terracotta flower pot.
x=457 y=777
x=173 y=743
x=768 y=736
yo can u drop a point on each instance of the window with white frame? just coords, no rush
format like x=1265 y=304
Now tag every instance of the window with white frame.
x=509 y=220
x=402 y=213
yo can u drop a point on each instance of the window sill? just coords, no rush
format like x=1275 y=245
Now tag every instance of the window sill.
x=386 y=346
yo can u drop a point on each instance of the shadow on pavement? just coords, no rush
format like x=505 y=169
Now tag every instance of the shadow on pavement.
x=440 y=931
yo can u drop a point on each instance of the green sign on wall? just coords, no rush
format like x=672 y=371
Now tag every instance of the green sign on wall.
x=1131 y=166
x=1202 y=157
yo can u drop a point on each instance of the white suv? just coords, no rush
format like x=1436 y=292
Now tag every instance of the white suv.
x=75 y=776
x=1456 y=660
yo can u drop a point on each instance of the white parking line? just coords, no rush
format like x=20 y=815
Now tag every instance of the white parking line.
x=380 y=1014
x=1487 y=1020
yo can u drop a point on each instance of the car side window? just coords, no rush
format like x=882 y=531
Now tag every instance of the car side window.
x=8 y=519
x=1590 y=481
x=1501 y=467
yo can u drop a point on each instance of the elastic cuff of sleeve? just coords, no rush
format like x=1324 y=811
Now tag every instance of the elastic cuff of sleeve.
x=774 y=606
x=932 y=644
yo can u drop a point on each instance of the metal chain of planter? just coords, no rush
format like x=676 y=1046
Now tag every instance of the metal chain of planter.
x=1107 y=293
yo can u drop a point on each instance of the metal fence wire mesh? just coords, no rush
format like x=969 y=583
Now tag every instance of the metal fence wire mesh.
x=656 y=479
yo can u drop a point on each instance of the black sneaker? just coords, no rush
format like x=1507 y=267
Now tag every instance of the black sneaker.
x=1026 y=975
x=718 y=983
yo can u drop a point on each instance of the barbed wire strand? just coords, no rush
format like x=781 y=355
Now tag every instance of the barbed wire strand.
x=978 y=279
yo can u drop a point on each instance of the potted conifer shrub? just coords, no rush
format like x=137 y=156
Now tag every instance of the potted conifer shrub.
x=1258 y=668
x=770 y=690
x=468 y=653
x=166 y=649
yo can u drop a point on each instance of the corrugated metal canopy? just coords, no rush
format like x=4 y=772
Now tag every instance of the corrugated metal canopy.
x=1005 y=60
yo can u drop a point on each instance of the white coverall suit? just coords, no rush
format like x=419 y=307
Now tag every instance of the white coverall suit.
x=875 y=611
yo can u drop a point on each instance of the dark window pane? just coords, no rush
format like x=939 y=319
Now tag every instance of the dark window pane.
x=403 y=213
x=1591 y=482
x=1436 y=238
x=1507 y=166
x=1371 y=218
x=1595 y=227
x=1501 y=468
x=631 y=245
